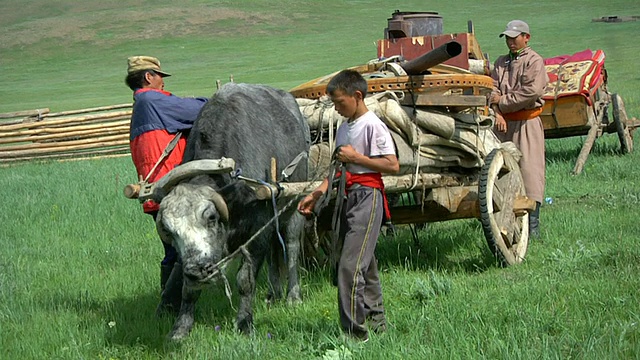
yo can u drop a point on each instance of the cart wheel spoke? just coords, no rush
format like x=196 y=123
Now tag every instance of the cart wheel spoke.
x=507 y=233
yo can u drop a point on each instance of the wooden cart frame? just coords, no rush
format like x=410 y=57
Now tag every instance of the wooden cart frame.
x=495 y=195
x=587 y=113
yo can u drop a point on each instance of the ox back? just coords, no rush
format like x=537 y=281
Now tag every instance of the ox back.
x=250 y=124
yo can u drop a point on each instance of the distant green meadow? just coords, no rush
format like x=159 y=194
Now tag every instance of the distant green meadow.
x=79 y=269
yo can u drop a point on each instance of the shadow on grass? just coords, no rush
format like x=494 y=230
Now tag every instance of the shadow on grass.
x=131 y=322
x=452 y=246
x=568 y=149
x=457 y=245
x=137 y=323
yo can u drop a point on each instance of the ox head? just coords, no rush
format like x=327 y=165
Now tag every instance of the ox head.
x=193 y=218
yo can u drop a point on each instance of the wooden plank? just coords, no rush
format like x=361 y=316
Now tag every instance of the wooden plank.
x=451 y=198
x=474 y=47
x=444 y=100
x=433 y=212
x=570 y=111
x=523 y=205
x=431 y=84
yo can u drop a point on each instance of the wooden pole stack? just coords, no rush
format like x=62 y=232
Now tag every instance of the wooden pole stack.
x=78 y=134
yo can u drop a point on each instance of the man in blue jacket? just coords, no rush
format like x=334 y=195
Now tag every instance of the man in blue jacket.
x=157 y=117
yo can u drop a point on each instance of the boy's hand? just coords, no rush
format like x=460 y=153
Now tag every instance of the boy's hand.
x=347 y=154
x=306 y=205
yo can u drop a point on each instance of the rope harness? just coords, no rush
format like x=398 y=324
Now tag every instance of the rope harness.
x=167 y=150
x=220 y=266
x=340 y=184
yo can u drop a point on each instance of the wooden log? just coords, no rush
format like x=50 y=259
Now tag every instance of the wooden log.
x=67 y=156
x=68 y=135
x=92 y=134
x=274 y=167
x=78 y=119
x=57 y=130
x=94 y=157
x=124 y=144
x=131 y=191
x=392 y=184
x=26 y=113
x=444 y=100
x=89 y=110
x=404 y=183
x=64 y=144
x=93 y=121
x=20 y=121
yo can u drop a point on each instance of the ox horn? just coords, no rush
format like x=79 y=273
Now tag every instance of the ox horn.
x=185 y=171
x=220 y=205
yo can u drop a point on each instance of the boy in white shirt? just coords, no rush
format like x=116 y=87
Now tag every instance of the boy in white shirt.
x=365 y=145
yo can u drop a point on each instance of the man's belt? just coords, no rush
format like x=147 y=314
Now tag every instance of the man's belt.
x=526 y=114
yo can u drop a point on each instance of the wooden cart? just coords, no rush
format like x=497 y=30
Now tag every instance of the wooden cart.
x=446 y=73
x=493 y=193
x=578 y=103
x=439 y=78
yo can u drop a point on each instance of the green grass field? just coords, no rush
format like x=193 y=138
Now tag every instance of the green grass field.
x=79 y=267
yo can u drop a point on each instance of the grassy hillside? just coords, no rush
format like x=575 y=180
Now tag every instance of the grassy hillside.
x=79 y=262
x=67 y=54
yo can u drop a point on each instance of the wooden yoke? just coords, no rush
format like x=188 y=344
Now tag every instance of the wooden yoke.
x=144 y=191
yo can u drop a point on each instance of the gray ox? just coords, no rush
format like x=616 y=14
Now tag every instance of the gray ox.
x=207 y=217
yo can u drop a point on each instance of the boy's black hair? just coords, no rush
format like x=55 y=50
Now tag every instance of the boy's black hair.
x=348 y=81
x=136 y=80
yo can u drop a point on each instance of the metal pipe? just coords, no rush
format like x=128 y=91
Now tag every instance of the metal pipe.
x=432 y=58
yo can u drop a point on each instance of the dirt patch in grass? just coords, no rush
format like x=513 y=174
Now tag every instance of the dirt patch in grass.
x=111 y=26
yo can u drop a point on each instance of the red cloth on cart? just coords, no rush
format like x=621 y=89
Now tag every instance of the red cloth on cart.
x=579 y=74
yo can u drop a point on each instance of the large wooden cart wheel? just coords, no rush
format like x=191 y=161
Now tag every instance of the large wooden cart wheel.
x=620 y=119
x=505 y=224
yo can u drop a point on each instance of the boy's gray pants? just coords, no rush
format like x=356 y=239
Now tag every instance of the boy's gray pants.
x=359 y=291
